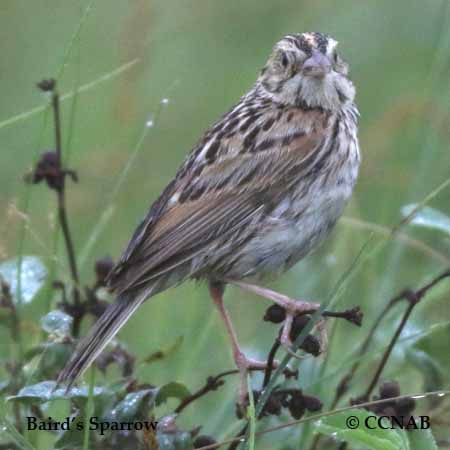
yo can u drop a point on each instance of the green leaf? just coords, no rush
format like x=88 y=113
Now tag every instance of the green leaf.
x=422 y=440
x=435 y=345
x=172 y=390
x=180 y=440
x=135 y=406
x=427 y=217
x=57 y=322
x=430 y=370
x=54 y=357
x=45 y=391
x=32 y=277
x=337 y=427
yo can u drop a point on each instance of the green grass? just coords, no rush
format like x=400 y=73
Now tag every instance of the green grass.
x=115 y=61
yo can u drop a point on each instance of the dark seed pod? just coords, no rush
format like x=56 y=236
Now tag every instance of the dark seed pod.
x=405 y=406
x=311 y=345
x=275 y=314
x=312 y=403
x=355 y=316
x=48 y=168
x=296 y=405
x=298 y=324
x=203 y=441
x=273 y=406
x=389 y=389
x=47 y=85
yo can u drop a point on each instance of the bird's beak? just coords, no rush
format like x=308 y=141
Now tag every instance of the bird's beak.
x=317 y=65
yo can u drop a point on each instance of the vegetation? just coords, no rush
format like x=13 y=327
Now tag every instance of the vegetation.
x=135 y=84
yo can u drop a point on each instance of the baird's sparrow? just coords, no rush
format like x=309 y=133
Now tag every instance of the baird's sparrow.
x=261 y=189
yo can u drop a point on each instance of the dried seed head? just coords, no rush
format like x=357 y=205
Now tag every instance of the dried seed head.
x=405 y=406
x=275 y=314
x=296 y=405
x=355 y=316
x=203 y=441
x=298 y=324
x=47 y=85
x=311 y=345
x=312 y=403
x=273 y=406
x=103 y=267
x=389 y=389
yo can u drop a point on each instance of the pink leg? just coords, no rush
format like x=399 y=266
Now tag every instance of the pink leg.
x=291 y=306
x=242 y=362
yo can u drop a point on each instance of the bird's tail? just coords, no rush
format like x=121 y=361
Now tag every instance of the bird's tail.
x=106 y=327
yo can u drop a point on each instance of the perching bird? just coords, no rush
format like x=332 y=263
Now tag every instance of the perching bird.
x=262 y=188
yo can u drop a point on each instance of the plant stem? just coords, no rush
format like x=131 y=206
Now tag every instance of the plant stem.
x=62 y=212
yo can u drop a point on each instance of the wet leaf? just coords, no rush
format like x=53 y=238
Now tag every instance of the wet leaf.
x=337 y=426
x=32 y=278
x=179 y=440
x=435 y=345
x=172 y=390
x=45 y=391
x=135 y=406
x=57 y=322
x=432 y=375
x=427 y=217
x=422 y=440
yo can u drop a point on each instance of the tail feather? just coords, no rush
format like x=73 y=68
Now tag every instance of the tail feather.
x=106 y=327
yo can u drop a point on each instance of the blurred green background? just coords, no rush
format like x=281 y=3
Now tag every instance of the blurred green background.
x=202 y=56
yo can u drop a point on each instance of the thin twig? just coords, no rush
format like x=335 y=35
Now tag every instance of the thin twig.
x=212 y=384
x=344 y=383
x=413 y=297
x=270 y=361
x=413 y=300
x=62 y=212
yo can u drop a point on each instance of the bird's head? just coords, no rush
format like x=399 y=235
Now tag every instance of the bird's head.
x=306 y=70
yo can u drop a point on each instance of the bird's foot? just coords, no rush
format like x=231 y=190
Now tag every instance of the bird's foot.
x=292 y=307
x=244 y=365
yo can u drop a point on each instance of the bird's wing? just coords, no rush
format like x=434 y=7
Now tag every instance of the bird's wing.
x=228 y=182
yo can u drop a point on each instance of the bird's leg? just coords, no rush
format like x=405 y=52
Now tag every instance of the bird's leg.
x=243 y=363
x=292 y=307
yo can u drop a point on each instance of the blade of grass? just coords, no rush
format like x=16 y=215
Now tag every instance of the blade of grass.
x=94 y=235
x=68 y=95
x=73 y=108
x=104 y=220
x=433 y=89
x=251 y=416
x=11 y=431
x=74 y=39
x=89 y=408
x=386 y=232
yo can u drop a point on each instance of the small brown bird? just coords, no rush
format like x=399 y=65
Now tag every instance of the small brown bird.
x=262 y=188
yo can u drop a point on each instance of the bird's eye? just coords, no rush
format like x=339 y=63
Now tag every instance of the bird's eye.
x=284 y=60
